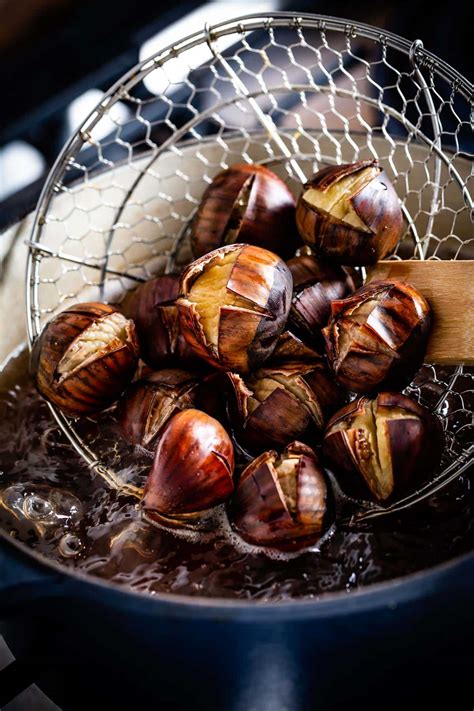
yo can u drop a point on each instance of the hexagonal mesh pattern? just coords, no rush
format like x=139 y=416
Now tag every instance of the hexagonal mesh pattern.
x=292 y=93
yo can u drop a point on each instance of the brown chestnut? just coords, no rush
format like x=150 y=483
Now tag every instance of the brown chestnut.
x=234 y=305
x=193 y=467
x=377 y=337
x=280 y=501
x=277 y=405
x=292 y=350
x=246 y=203
x=148 y=404
x=387 y=443
x=84 y=358
x=315 y=284
x=151 y=307
x=350 y=213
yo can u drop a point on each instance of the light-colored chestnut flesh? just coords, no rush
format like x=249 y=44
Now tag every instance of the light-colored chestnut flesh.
x=193 y=466
x=234 y=305
x=350 y=213
x=388 y=442
x=84 y=358
x=377 y=337
x=249 y=204
x=278 y=404
x=281 y=500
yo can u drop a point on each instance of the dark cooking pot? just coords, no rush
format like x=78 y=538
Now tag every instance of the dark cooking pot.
x=92 y=644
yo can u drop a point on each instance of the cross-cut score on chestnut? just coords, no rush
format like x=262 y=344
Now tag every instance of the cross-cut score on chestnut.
x=388 y=443
x=377 y=336
x=274 y=406
x=85 y=357
x=350 y=213
x=234 y=305
x=281 y=500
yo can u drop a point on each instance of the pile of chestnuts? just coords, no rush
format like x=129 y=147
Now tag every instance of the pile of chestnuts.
x=251 y=360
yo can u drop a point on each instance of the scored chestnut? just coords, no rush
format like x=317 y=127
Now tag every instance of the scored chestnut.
x=315 y=284
x=350 y=213
x=192 y=470
x=148 y=404
x=246 y=203
x=281 y=500
x=84 y=358
x=387 y=443
x=274 y=406
x=377 y=337
x=234 y=305
x=151 y=307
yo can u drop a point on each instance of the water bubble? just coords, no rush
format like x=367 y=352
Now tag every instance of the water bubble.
x=70 y=545
x=36 y=509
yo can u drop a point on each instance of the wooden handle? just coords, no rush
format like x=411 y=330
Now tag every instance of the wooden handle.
x=449 y=288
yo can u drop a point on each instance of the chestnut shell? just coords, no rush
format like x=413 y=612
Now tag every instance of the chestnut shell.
x=375 y=203
x=384 y=348
x=91 y=387
x=151 y=307
x=315 y=285
x=246 y=203
x=193 y=466
x=382 y=445
x=276 y=405
x=248 y=332
x=264 y=514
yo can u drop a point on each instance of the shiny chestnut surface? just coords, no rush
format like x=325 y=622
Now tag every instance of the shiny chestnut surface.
x=377 y=337
x=350 y=213
x=151 y=307
x=389 y=443
x=234 y=305
x=316 y=284
x=280 y=501
x=248 y=204
x=84 y=358
x=193 y=466
x=278 y=404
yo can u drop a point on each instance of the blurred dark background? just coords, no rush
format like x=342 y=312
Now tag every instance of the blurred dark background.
x=57 y=56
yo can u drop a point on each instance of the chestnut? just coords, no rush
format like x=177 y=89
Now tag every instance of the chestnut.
x=387 y=442
x=234 y=305
x=192 y=469
x=350 y=213
x=84 y=358
x=274 y=406
x=292 y=350
x=151 y=307
x=315 y=284
x=377 y=337
x=148 y=404
x=246 y=203
x=280 y=500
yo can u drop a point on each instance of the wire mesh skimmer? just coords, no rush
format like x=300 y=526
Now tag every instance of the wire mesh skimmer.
x=293 y=93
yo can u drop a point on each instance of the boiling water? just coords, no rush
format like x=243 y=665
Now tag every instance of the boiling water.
x=51 y=502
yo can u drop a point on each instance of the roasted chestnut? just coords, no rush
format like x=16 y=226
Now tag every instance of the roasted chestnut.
x=193 y=467
x=246 y=203
x=84 y=358
x=377 y=337
x=148 y=404
x=292 y=350
x=277 y=405
x=234 y=305
x=387 y=443
x=315 y=284
x=280 y=500
x=350 y=213
x=152 y=309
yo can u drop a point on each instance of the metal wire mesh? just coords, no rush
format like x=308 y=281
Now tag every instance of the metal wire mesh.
x=294 y=93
